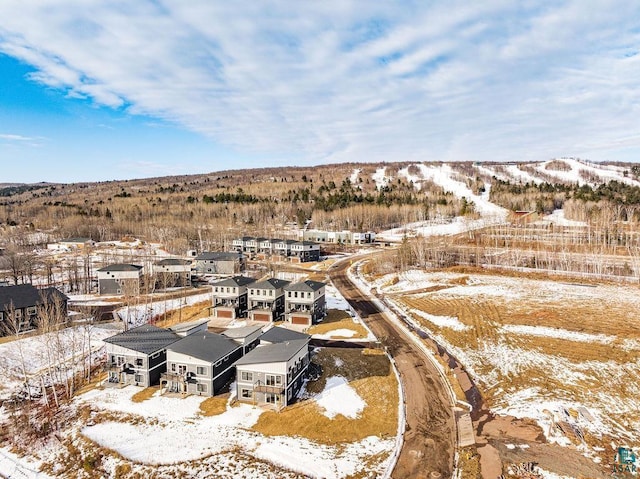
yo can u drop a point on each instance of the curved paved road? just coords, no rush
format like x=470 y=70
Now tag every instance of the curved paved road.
x=430 y=435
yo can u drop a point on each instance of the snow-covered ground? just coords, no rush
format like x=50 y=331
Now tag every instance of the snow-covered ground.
x=380 y=177
x=153 y=440
x=557 y=218
x=338 y=397
x=505 y=350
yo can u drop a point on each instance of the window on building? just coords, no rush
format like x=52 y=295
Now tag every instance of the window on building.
x=173 y=367
x=246 y=393
x=201 y=388
x=271 y=398
x=154 y=355
x=139 y=362
x=215 y=289
x=182 y=369
x=137 y=378
x=246 y=376
x=273 y=380
x=201 y=370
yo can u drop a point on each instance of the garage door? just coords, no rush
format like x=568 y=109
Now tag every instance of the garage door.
x=299 y=320
x=224 y=314
x=261 y=317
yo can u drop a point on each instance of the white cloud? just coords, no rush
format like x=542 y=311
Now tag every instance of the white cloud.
x=351 y=80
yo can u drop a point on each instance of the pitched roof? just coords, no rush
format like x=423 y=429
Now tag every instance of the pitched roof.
x=271 y=283
x=145 y=339
x=207 y=346
x=308 y=285
x=279 y=334
x=271 y=353
x=26 y=295
x=234 y=281
x=173 y=262
x=287 y=241
x=186 y=327
x=239 y=333
x=218 y=256
x=121 y=267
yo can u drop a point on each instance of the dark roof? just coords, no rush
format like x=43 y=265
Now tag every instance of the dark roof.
x=308 y=285
x=145 y=339
x=121 y=267
x=242 y=332
x=276 y=240
x=258 y=239
x=278 y=334
x=206 y=346
x=287 y=241
x=173 y=262
x=271 y=283
x=218 y=256
x=234 y=281
x=308 y=243
x=26 y=295
x=186 y=327
x=270 y=353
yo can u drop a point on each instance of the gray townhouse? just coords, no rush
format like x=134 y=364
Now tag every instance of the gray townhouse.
x=23 y=305
x=201 y=363
x=120 y=278
x=138 y=356
x=247 y=336
x=273 y=374
x=305 y=251
x=172 y=272
x=283 y=247
x=219 y=263
x=230 y=297
x=266 y=300
x=305 y=302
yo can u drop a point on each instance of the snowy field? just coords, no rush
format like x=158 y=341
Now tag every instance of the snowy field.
x=558 y=353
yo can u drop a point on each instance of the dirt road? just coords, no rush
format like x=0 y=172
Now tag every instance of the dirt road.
x=430 y=436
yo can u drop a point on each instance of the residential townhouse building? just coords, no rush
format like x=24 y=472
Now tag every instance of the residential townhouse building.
x=201 y=364
x=219 y=263
x=120 y=279
x=305 y=302
x=172 y=272
x=230 y=297
x=247 y=336
x=305 y=251
x=273 y=374
x=283 y=247
x=138 y=356
x=266 y=300
x=23 y=306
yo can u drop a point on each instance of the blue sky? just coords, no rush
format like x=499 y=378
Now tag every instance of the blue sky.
x=101 y=90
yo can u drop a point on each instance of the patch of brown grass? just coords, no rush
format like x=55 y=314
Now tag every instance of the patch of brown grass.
x=214 y=405
x=305 y=419
x=185 y=314
x=92 y=385
x=369 y=374
x=323 y=328
x=145 y=394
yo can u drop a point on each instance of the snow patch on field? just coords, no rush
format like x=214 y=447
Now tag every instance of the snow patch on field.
x=336 y=333
x=153 y=441
x=442 y=321
x=338 y=397
x=334 y=299
x=557 y=333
